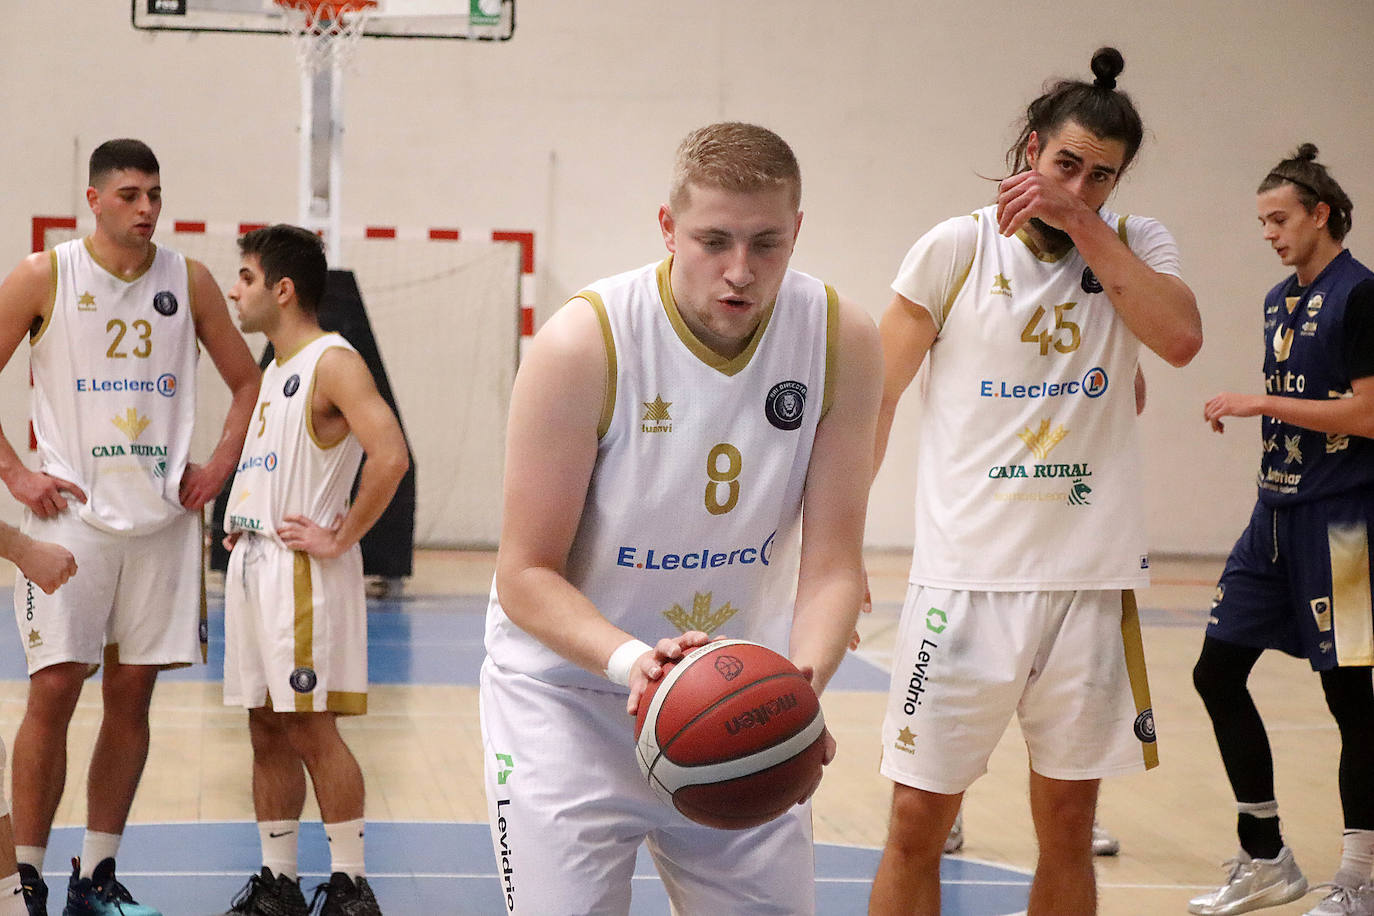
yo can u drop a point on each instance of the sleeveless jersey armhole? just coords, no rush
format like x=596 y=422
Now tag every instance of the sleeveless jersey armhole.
x=832 y=334
x=310 y=406
x=964 y=257
x=608 y=339
x=44 y=320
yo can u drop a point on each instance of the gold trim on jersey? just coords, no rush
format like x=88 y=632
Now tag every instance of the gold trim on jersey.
x=304 y=656
x=1352 y=615
x=142 y=269
x=310 y=403
x=608 y=399
x=1035 y=249
x=346 y=702
x=1121 y=230
x=723 y=365
x=1135 y=670
x=44 y=320
x=959 y=284
x=832 y=344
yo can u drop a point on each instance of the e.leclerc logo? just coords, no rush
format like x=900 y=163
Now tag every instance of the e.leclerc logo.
x=657 y=558
x=1092 y=385
x=267 y=462
x=165 y=385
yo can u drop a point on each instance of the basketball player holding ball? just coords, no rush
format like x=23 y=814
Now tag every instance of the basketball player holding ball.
x=667 y=428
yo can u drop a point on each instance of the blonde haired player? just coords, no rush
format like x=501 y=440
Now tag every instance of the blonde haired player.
x=667 y=429
x=295 y=618
x=115 y=325
x=1029 y=523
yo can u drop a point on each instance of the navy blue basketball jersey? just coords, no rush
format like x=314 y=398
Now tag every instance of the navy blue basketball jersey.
x=1306 y=356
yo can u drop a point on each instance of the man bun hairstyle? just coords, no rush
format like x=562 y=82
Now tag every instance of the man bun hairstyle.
x=1314 y=185
x=737 y=157
x=290 y=251
x=1098 y=107
x=117 y=155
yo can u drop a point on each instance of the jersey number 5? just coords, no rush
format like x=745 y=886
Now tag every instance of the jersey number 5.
x=722 y=485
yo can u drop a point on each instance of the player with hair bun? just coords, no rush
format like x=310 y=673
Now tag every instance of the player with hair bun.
x=1029 y=518
x=1298 y=578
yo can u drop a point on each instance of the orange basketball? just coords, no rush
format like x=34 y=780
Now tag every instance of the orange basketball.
x=731 y=735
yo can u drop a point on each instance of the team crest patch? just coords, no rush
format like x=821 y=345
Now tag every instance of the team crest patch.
x=1090 y=282
x=303 y=681
x=165 y=303
x=785 y=404
x=1145 y=726
x=293 y=384
x=1314 y=305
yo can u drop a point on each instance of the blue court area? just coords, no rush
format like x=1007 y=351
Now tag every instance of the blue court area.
x=429 y=869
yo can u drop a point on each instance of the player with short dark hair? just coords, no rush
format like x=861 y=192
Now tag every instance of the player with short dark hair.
x=1298 y=578
x=295 y=616
x=1029 y=520
x=715 y=402
x=115 y=324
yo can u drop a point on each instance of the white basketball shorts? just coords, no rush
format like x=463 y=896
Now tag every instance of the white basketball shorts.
x=569 y=807
x=142 y=596
x=295 y=629
x=1069 y=664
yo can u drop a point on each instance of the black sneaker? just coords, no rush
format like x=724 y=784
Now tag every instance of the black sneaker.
x=342 y=897
x=265 y=895
x=101 y=894
x=35 y=890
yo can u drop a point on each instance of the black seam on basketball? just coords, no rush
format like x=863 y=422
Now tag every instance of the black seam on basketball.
x=663 y=746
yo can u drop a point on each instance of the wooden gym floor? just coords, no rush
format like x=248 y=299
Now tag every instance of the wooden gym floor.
x=191 y=840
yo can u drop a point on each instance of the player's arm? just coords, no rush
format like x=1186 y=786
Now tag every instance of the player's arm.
x=345 y=390
x=1348 y=416
x=1159 y=308
x=830 y=584
x=551 y=449
x=217 y=334
x=43 y=563
x=24 y=298
x=907 y=332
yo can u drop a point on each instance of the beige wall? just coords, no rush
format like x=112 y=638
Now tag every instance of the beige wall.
x=894 y=112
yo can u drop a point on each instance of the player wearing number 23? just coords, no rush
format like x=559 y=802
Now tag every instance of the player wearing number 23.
x=667 y=429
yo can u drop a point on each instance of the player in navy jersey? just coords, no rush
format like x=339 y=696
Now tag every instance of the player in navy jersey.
x=1298 y=578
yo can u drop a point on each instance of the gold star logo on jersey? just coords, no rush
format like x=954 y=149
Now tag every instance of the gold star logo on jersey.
x=657 y=409
x=131 y=424
x=1043 y=440
x=906 y=741
x=1001 y=286
x=702 y=617
x=85 y=302
x=34 y=639
x=656 y=418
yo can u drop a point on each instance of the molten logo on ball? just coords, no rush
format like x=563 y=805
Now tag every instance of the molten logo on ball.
x=729 y=667
x=731 y=736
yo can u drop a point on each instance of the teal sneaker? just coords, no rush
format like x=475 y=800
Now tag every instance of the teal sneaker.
x=101 y=894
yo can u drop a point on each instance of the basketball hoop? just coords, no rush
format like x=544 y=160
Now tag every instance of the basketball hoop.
x=324 y=31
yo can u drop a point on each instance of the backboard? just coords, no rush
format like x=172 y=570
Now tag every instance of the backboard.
x=489 y=20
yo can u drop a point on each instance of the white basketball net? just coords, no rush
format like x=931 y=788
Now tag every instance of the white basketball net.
x=324 y=33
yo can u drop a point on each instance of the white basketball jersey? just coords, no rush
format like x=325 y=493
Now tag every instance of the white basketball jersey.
x=114 y=386
x=1028 y=474
x=692 y=516
x=285 y=469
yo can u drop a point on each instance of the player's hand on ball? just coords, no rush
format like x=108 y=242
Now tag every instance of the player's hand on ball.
x=649 y=666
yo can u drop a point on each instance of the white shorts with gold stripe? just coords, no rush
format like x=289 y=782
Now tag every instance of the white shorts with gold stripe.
x=1068 y=663
x=295 y=629
x=136 y=599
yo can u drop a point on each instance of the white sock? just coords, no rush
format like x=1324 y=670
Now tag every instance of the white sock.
x=1357 y=858
x=96 y=847
x=279 y=846
x=12 y=897
x=32 y=855
x=346 y=847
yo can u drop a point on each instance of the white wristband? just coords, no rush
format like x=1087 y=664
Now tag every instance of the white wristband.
x=623 y=659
